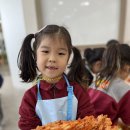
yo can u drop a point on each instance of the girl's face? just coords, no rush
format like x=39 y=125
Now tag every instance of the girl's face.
x=52 y=57
x=125 y=72
x=96 y=67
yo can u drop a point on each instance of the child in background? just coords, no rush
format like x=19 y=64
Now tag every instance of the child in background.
x=110 y=94
x=53 y=97
x=93 y=58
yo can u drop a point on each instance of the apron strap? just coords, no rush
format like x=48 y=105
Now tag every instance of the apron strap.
x=69 y=106
x=69 y=103
x=38 y=93
x=68 y=84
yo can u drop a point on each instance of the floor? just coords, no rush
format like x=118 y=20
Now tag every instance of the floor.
x=10 y=100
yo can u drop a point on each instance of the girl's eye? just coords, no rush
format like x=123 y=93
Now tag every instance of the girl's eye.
x=61 y=53
x=45 y=51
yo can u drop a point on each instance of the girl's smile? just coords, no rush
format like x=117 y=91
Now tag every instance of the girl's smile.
x=51 y=67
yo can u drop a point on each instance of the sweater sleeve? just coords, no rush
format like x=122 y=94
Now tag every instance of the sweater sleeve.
x=28 y=119
x=85 y=107
x=124 y=106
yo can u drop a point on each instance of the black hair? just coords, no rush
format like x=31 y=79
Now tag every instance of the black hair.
x=93 y=55
x=114 y=58
x=125 y=54
x=27 y=55
x=77 y=70
x=111 y=42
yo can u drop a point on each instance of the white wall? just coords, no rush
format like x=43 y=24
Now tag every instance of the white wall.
x=127 y=24
x=89 y=21
x=15 y=28
x=30 y=16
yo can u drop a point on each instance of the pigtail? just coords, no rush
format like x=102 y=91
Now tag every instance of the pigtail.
x=26 y=61
x=110 y=63
x=77 y=67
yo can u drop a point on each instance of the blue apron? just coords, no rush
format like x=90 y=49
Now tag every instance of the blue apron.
x=51 y=110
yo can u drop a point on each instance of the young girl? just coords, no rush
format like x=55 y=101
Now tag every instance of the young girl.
x=110 y=94
x=53 y=97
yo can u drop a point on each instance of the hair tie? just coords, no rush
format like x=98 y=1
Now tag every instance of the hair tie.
x=34 y=35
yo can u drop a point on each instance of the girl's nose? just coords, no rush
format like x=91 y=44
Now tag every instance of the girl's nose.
x=52 y=61
x=52 y=58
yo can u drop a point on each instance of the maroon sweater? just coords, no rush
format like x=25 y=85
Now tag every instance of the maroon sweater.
x=28 y=118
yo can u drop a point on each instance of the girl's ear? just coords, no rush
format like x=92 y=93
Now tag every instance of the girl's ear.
x=70 y=58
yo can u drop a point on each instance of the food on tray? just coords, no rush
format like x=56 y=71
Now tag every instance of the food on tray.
x=102 y=122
